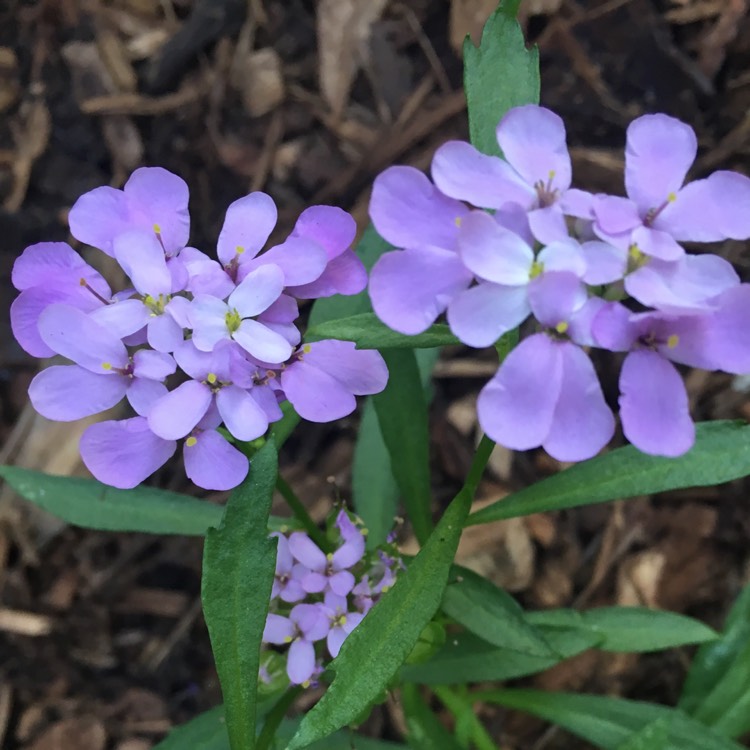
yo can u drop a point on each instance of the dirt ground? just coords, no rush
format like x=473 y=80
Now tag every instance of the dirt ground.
x=102 y=643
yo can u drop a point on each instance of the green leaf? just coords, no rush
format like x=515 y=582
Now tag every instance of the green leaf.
x=377 y=647
x=492 y=614
x=368 y=332
x=498 y=75
x=403 y=418
x=88 y=503
x=238 y=567
x=608 y=722
x=629 y=629
x=425 y=730
x=208 y=731
x=654 y=736
x=467 y=658
x=281 y=430
x=721 y=453
x=344 y=740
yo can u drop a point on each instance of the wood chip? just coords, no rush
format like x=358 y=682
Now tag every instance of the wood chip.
x=80 y=733
x=261 y=82
x=24 y=623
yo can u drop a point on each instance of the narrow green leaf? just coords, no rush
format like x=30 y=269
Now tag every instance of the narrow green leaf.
x=492 y=614
x=88 y=503
x=466 y=658
x=721 y=453
x=208 y=731
x=368 y=332
x=238 y=566
x=608 y=722
x=629 y=629
x=425 y=730
x=713 y=661
x=654 y=736
x=378 y=646
x=344 y=740
x=403 y=418
x=499 y=74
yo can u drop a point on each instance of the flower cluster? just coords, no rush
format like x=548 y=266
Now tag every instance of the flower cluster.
x=222 y=332
x=494 y=241
x=319 y=597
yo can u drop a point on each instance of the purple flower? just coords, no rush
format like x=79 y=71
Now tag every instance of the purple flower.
x=306 y=624
x=660 y=212
x=152 y=200
x=322 y=379
x=286 y=584
x=536 y=172
x=342 y=621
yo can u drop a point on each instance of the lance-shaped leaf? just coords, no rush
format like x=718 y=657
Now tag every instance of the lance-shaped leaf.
x=239 y=561
x=654 y=736
x=721 y=453
x=426 y=732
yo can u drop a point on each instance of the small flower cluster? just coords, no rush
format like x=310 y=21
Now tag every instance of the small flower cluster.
x=320 y=597
x=493 y=241
x=223 y=331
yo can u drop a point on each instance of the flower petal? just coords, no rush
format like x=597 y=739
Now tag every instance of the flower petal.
x=604 y=262
x=144 y=393
x=278 y=630
x=175 y=415
x=247 y=226
x=555 y=296
x=262 y=343
x=315 y=395
x=301 y=260
x=242 y=416
x=258 y=291
x=122 y=318
x=212 y=463
x=657 y=244
x=548 y=224
x=98 y=216
x=329 y=226
x=307 y=552
x=654 y=405
x=361 y=371
x=345 y=274
x=153 y=365
x=165 y=334
x=208 y=319
x=300 y=662
x=142 y=258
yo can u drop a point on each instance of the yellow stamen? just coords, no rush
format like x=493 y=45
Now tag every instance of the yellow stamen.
x=239 y=249
x=552 y=174
x=672 y=197
x=157 y=229
x=329 y=556
x=106 y=366
x=211 y=378
x=288 y=639
x=307 y=348
x=457 y=221
x=191 y=441
x=673 y=340
x=233 y=320
x=536 y=269
x=561 y=327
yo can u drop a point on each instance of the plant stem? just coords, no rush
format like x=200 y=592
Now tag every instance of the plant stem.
x=459 y=706
x=478 y=464
x=301 y=513
x=275 y=717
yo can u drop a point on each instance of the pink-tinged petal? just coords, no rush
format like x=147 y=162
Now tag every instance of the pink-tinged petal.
x=247 y=226
x=300 y=259
x=492 y=252
x=481 y=315
x=605 y=263
x=329 y=226
x=654 y=405
x=307 y=552
x=212 y=463
x=208 y=320
x=612 y=328
x=258 y=291
x=341 y=582
x=242 y=416
x=261 y=342
x=98 y=216
x=532 y=139
x=709 y=210
x=158 y=201
x=361 y=371
x=517 y=406
x=71 y=333
x=729 y=338
x=409 y=211
x=142 y=258
x=153 y=365
x=68 y=392
x=577 y=203
x=46 y=262
x=555 y=296
x=563 y=256
x=583 y=423
x=122 y=454
x=548 y=224
x=175 y=415
x=689 y=284
x=345 y=274
x=300 y=662
x=164 y=333
x=334 y=641
x=615 y=215
x=278 y=630
x=144 y=393
x=658 y=154
x=657 y=244
x=122 y=318
x=462 y=172
x=410 y=306
x=315 y=395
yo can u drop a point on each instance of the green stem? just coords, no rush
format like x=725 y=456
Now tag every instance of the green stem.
x=459 y=706
x=275 y=717
x=301 y=513
x=478 y=464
